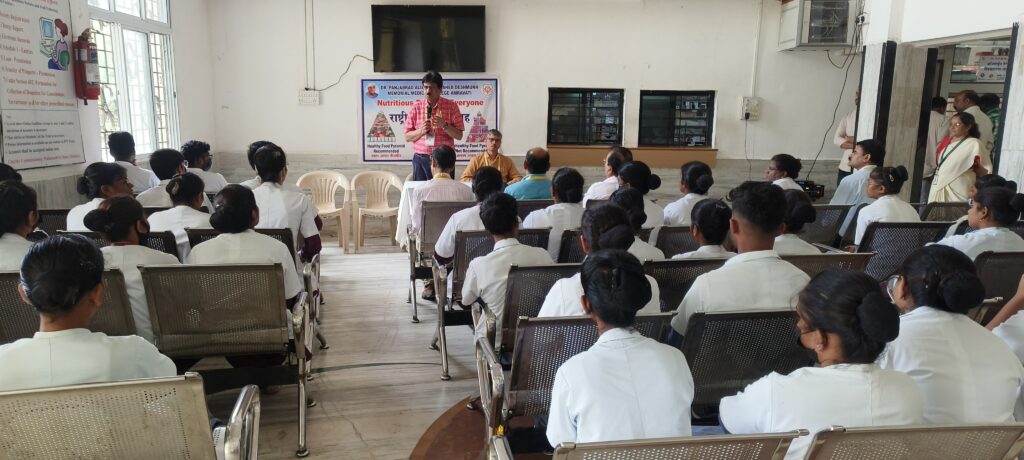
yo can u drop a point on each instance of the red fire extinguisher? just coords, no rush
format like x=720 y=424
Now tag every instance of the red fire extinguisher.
x=87 y=73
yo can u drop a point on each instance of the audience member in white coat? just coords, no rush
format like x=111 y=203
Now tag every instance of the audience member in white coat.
x=883 y=186
x=486 y=182
x=186 y=192
x=200 y=160
x=846 y=323
x=867 y=155
x=632 y=200
x=783 y=170
x=487 y=276
x=616 y=157
x=966 y=373
x=281 y=207
x=637 y=175
x=710 y=228
x=799 y=212
x=122 y=221
x=122 y=148
x=167 y=164
x=604 y=227
x=988 y=180
x=565 y=214
x=992 y=210
x=694 y=182
x=99 y=182
x=626 y=386
x=18 y=216
x=757 y=279
x=235 y=214
x=1008 y=324
x=63 y=280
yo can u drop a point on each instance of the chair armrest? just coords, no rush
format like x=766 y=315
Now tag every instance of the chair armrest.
x=241 y=436
x=440 y=284
x=491 y=380
x=828 y=249
x=480 y=311
x=301 y=326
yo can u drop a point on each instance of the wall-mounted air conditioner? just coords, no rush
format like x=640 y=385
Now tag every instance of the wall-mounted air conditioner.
x=817 y=24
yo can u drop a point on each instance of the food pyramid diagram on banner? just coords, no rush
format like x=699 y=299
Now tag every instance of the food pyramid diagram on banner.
x=381 y=129
x=478 y=133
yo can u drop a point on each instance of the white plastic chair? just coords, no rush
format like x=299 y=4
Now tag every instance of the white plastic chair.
x=324 y=186
x=377 y=185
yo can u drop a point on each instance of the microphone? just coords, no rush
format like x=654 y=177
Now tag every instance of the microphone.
x=430 y=110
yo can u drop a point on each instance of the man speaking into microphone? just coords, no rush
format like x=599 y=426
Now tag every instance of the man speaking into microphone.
x=432 y=122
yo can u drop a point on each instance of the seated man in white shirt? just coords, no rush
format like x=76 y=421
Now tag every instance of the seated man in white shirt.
x=616 y=157
x=867 y=155
x=19 y=214
x=440 y=188
x=122 y=148
x=487 y=276
x=200 y=160
x=757 y=279
x=709 y=227
x=63 y=280
x=250 y=155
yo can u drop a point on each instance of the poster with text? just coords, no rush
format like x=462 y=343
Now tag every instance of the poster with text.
x=992 y=69
x=386 y=105
x=38 y=110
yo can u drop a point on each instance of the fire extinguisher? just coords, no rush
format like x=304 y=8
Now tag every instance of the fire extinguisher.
x=87 y=73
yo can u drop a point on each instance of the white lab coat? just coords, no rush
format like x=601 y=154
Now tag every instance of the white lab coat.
x=813 y=398
x=249 y=247
x=212 y=181
x=708 y=251
x=176 y=220
x=752 y=281
x=995 y=239
x=601 y=190
x=157 y=197
x=77 y=356
x=12 y=251
x=440 y=188
x=789 y=244
x=655 y=217
x=284 y=208
x=76 y=216
x=889 y=208
x=787 y=183
x=558 y=217
x=938 y=128
x=140 y=178
x=625 y=387
x=1012 y=332
x=251 y=184
x=847 y=127
x=487 y=276
x=127 y=259
x=678 y=212
x=966 y=373
x=645 y=251
x=465 y=220
x=852 y=190
x=564 y=298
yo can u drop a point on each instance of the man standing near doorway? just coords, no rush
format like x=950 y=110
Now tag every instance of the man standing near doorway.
x=432 y=122
x=844 y=139
x=938 y=127
x=967 y=101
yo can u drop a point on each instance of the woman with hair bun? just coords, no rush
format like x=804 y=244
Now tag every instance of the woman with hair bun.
x=638 y=176
x=186 y=192
x=283 y=207
x=991 y=211
x=783 y=169
x=18 y=216
x=235 y=214
x=883 y=186
x=99 y=182
x=626 y=386
x=632 y=200
x=62 y=278
x=565 y=214
x=695 y=181
x=966 y=373
x=845 y=323
x=710 y=228
x=122 y=221
x=603 y=227
x=799 y=212
x=986 y=181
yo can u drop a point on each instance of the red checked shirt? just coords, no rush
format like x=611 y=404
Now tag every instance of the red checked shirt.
x=448 y=109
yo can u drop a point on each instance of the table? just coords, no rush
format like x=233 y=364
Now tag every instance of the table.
x=405 y=212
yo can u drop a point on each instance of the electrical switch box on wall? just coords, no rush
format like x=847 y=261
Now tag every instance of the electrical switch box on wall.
x=309 y=97
x=750 y=108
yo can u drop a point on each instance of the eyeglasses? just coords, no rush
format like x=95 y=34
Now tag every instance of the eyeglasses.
x=890 y=286
x=970 y=203
x=957 y=125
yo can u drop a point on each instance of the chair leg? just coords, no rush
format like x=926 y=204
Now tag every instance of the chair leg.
x=412 y=296
x=342 y=229
x=303 y=449
x=394 y=230
x=444 y=350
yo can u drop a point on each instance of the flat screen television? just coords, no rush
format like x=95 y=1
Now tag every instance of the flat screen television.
x=420 y=38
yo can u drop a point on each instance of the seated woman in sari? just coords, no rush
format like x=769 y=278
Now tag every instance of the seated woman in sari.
x=962 y=158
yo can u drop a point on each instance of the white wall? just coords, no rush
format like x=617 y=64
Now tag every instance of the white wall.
x=909 y=21
x=258 y=67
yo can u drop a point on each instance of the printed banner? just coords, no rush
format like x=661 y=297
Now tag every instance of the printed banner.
x=38 y=109
x=992 y=69
x=386 y=105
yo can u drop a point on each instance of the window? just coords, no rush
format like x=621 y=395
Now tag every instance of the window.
x=136 y=72
x=677 y=118
x=584 y=116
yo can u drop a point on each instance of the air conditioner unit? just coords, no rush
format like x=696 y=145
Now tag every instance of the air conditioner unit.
x=817 y=24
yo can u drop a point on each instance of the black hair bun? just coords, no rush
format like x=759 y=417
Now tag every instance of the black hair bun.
x=879 y=318
x=900 y=173
x=1017 y=202
x=803 y=212
x=83 y=185
x=653 y=182
x=99 y=220
x=704 y=182
x=617 y=237
x=962 y=291
x=1011 y=185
